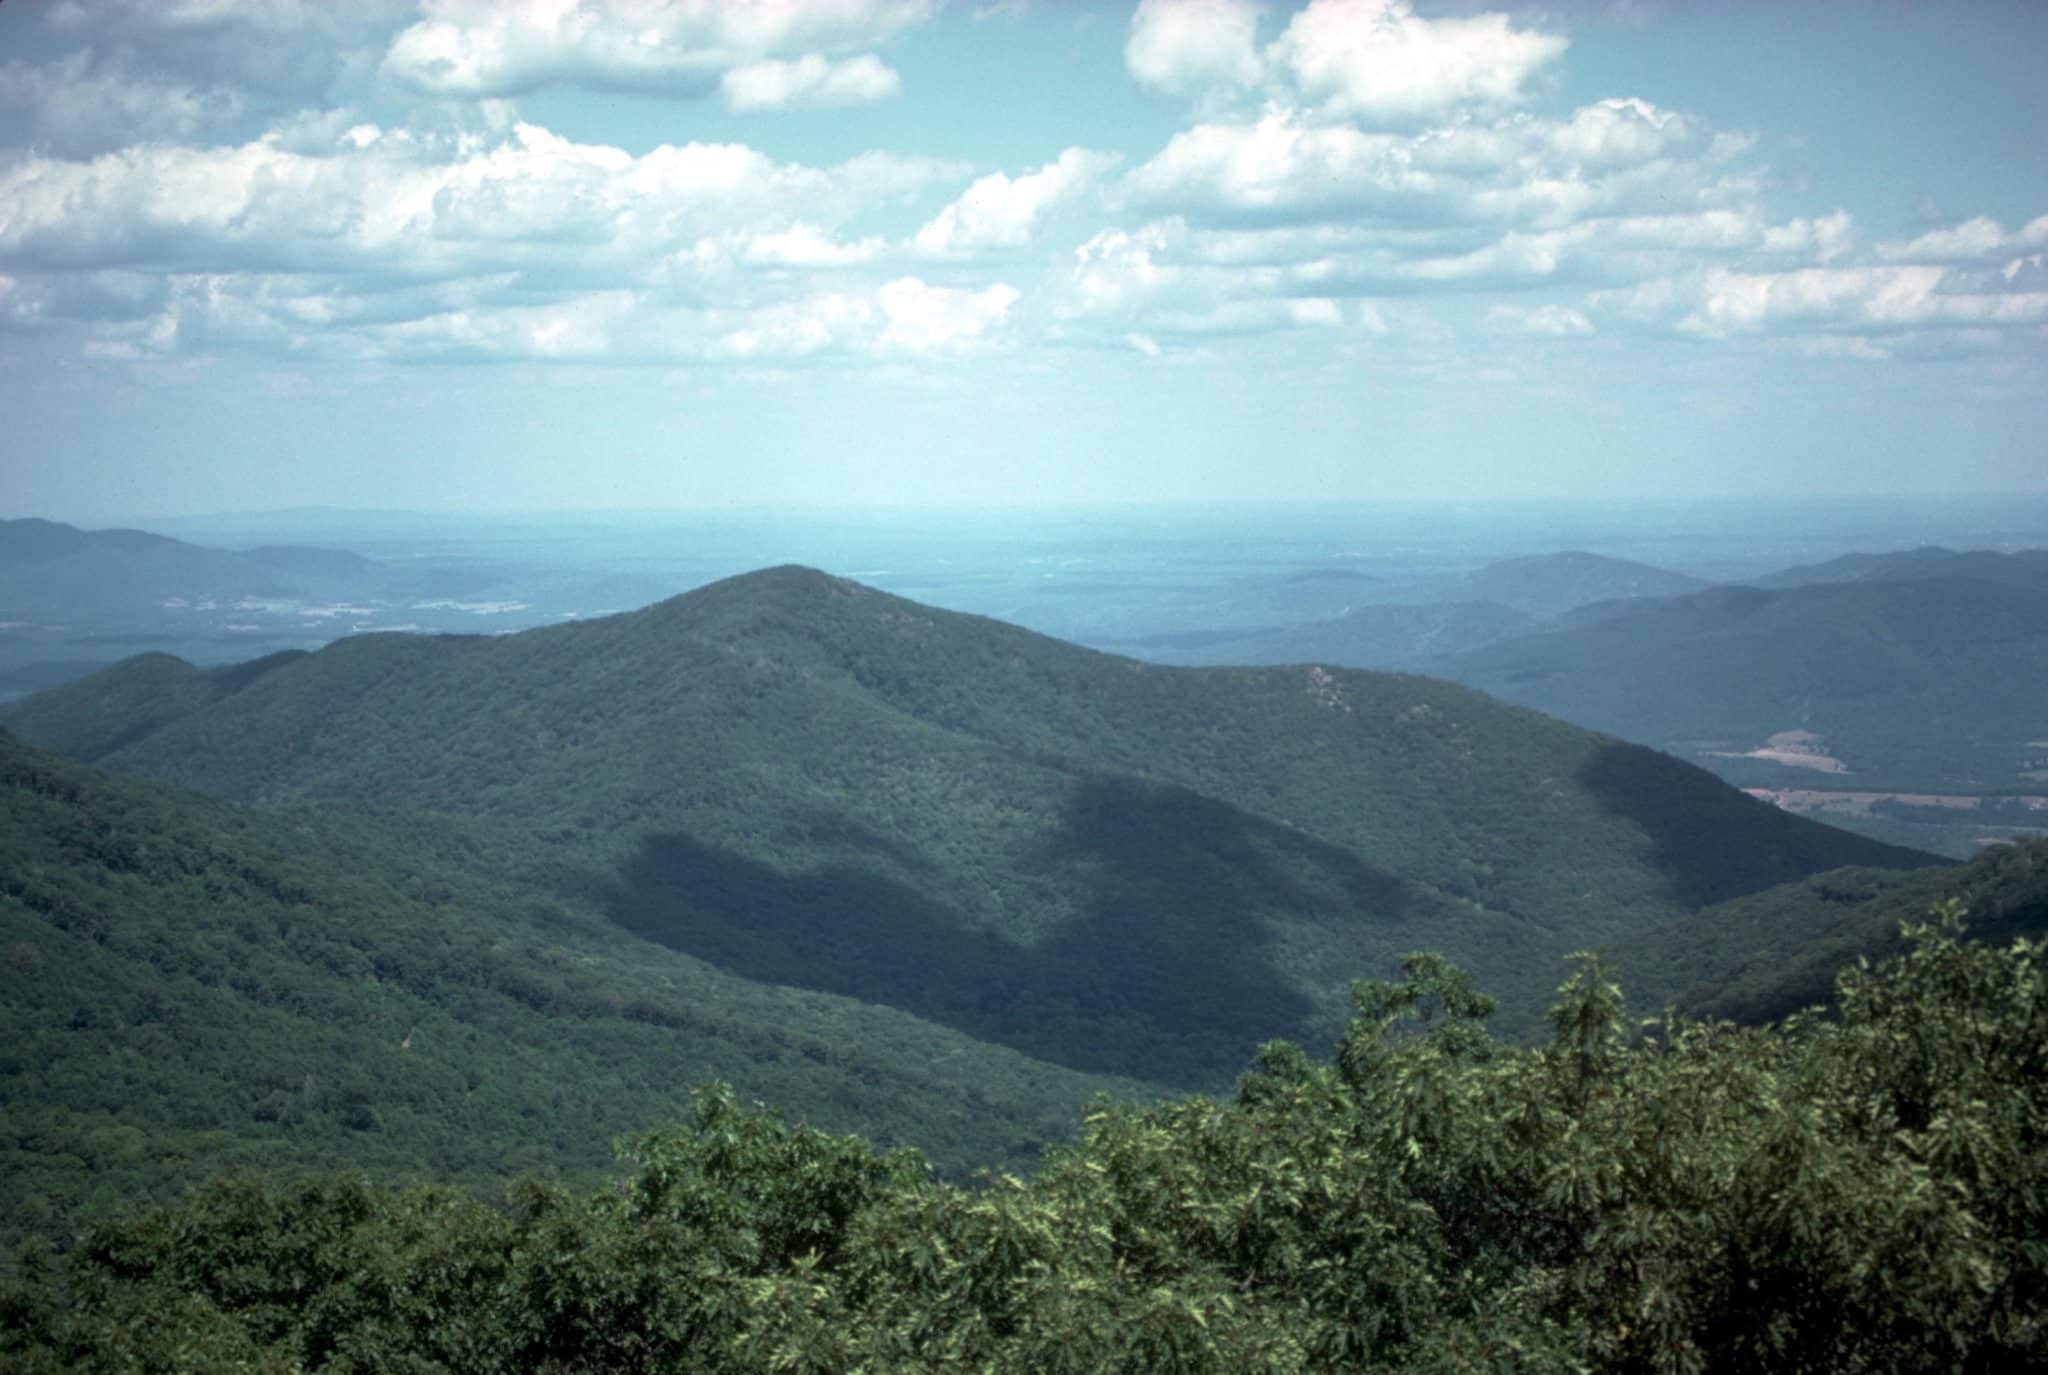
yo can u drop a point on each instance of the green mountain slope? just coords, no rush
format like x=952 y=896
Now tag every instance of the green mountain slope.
x=192 y=986
x=1926 y=685
x=1765 y=956
x=1549 y=584
x=1389 y=636
x=1110 y=865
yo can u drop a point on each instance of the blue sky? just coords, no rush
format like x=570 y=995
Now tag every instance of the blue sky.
x=478 y=255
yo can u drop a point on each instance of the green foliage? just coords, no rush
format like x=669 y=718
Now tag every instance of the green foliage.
x=1859 y=1193
x=191 y=987
x=1923 y=681
x=1106 y=865
x=1765 y=956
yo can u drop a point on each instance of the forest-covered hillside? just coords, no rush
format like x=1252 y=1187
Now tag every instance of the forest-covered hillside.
x=193 y=987
x=1926 y=683
x=1865 y=1193
x=505 y=900
x=1110 y=865
x=1765 y=956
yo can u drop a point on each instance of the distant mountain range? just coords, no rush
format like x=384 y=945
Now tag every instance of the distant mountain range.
x=1377 y=636
x=1903 y=676
x=1113 y=866
x=1926 y=683
x=2027 y=568
x=51 y=569
x=73 y=600
x=1549 y=584
x=474 y=903
x=1407 y=624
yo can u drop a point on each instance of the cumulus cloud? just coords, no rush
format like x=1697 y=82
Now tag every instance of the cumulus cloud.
x=810 y=82
x=389 y=202
x=1151 y=283
x=83 y=104
x=372 y=242
x=1973 y=239
x=1823 y=238
x=1870 y=311
x=1883 y=298
x=1000 y=211
x=1284 y=167
x=925 y=319
x=779 y=53
x=1278 y=167
x=1377 y=60
x=1374 y=61
x=1180 y=47
x=275 y=53
x=208 y=175
x=806 y=246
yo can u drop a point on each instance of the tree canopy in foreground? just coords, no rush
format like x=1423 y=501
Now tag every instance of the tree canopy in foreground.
x=1861 y=1192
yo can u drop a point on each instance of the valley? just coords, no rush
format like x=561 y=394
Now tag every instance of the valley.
x=919 y=873
x=855 y=852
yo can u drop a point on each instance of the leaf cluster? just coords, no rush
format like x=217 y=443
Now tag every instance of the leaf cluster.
x=1859 y=1193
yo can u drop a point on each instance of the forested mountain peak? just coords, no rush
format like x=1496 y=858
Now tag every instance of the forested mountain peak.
x=804 y=780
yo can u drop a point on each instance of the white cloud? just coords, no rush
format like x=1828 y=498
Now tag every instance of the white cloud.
x=485 y=47
x=1184 y=46
x=1973 y=239
x=1865 y=297
x=1550 y=321
x=1119 y=272
x=1895 y=308
x=797 y=329
x=1621 y=133
x=1377 y=60
x=390 y=204
x=925 y=319
x=1824 y=238
x=1280 y=167
x=809 y=82
x=1286 y=168
x=579 y=329
x=1150 y=282
x=999 y=211
x=805 y=246
x=519 y=244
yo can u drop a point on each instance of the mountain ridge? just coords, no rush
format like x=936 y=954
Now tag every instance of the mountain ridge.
x=792 y=751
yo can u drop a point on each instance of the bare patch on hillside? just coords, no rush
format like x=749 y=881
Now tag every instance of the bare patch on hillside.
x=1798 y=749
x=1327 y=692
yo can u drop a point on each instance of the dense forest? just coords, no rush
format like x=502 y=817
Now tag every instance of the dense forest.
x=393 y=940
x=1862 y=1192
x=800 y=780
x=192 y=986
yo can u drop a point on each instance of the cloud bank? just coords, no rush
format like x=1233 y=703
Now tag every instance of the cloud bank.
x=289 y=181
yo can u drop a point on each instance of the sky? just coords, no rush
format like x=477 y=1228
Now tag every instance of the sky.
x=476 y=255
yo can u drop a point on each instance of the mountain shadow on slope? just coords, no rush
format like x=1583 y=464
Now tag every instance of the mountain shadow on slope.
x=1715 y=846
x=1762 y=957
x=1164 y=971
